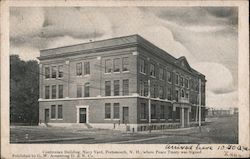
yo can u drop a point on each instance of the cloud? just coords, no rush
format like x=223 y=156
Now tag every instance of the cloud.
x=200 y=28
x=219 y=78
x=25 y=52
x=196 y=15
x=207 y=36
x=25 y=21
x=225 y=100
x=63 y=41
x=78 y=23
x=149 y=27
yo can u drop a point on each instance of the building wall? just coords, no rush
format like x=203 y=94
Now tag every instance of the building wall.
x=193 y=89
x=96 y=110
x=97 y=78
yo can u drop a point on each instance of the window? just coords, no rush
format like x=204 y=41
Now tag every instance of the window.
x=108 y=66
x=161 y=74
x=79 y=69
x=181 y=81
x=116 y=87
x=116 y=110
x=186 y=83
x=169 y=76
x=187 y=95
x=125 y=87
x=60 y=91
x=79 y=91
x=107 y=110
x=197 y=85
x=161 y=92
x=86 y=89
x=170 y=112
x=169 y=96
x=60 y=71
x=141 y=88
x=47 y=92
x=162 y=113
x=117 y=65
x=53 y=91
x=143 y=111
x=107 y=88
x=178 y=113
x=53 y=112
x=152 y=70
x=191 y=84
x=125 y=64
x=153 y=91
x=176 y=79
x=53 y=71
x=145 y=88
x=47 y=72
x=59 y=112
x=176 y=95
x=182 y=93
x=153 y=111
x=86 y=68
x=142 y=66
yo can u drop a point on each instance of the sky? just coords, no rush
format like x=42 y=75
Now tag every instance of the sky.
x=206 y=36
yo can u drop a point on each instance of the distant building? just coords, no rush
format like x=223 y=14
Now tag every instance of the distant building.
x=120 y=83
x=213 y=112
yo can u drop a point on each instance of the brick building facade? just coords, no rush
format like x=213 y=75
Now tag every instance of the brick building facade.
x=120 y=83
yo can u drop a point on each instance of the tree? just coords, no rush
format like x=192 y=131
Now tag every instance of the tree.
x=24 y=90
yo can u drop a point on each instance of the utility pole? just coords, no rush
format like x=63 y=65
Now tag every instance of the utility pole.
x=149 y=105
x=200 y=104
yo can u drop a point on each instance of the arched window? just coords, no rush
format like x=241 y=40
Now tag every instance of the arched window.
x=86 y=89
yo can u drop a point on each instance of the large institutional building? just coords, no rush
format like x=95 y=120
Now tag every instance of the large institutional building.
x=124 y=83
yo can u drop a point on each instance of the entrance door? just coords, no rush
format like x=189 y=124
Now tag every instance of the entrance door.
x=82 y=115
x=46 y=115
x=125 y=115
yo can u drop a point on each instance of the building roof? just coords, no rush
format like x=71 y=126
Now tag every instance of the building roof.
x=115 y=43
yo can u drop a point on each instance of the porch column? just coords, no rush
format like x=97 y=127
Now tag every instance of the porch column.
x=182 y=118
x=188 y=118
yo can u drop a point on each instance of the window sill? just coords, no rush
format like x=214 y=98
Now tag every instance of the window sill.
x=107 y=119
x=143 y=119
x=87 y=75
x=107 y=73
x=152 y=76
x=162 y=119
x=52 y=119
x=78 y=76
x=117 y=72
x=59 y=119
x=125 y=71
x=143 y=73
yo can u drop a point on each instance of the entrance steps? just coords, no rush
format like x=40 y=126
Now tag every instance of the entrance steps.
x=121 y=127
